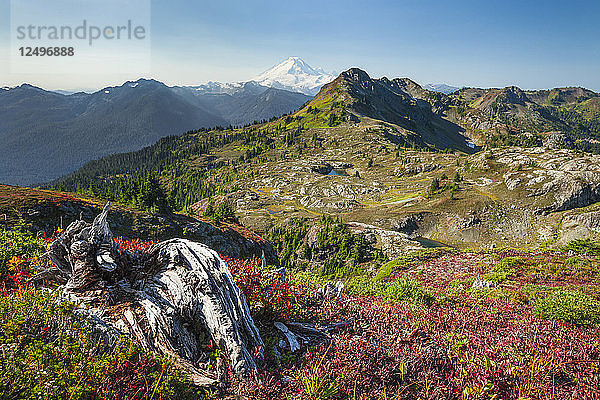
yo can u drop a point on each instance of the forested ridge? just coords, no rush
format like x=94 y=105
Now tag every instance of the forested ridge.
x=179 y=171
x=170 y=175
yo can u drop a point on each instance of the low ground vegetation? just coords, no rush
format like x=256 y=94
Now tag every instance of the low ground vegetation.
x=417 y=327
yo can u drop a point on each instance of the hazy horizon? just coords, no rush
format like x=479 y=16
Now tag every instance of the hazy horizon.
x=205 y=81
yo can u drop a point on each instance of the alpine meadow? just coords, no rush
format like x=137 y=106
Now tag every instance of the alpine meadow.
x=216 y=229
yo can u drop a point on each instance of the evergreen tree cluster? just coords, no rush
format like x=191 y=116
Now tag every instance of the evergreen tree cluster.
x=336 y=251
x=222 y=212
x=443 y=183
x=144 y=193
x=163 y=177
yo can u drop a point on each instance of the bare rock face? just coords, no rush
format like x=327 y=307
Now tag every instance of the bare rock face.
x=411 y=170
x=512 y=181
x=327 y=167
x=572 y=191
x=172 y=299
x=590 y=220
x=409 y=224
x=393 y=244
x=557 y=140
x=579 y=226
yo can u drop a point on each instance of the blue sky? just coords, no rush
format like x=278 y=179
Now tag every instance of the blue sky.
x=532 y=44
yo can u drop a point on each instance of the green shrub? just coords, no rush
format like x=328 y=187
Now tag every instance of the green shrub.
x=401 y=290
x=18 y=243
x=569 y=306
x=409 y=290
x=338 y=268
x=584 y=246
x=503 y=270
x=341 y=251
x=336 y=240
x=410 y=260
x=314 y=386
x=223 y=212
x=387 y=269
x=49 y=353
x=288 y=239
x=577 y=262
x=435 y=186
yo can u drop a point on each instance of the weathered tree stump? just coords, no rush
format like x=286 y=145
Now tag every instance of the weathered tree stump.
x=172 y=299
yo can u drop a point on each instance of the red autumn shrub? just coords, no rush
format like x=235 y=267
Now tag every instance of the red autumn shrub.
x=268 y=292
x=133 y=245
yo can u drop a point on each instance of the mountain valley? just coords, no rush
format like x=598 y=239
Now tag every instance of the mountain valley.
x=422 y=244
x=44 y=135
x=392 y=155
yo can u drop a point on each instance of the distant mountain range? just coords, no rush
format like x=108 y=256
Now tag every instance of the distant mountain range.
x=73 y=91
x=44 y=134
x=242 y=103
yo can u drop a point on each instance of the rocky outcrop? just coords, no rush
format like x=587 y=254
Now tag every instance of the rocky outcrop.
x=557 y=140
x=469 y=221
x=392 y=243
x=322 y=168
x=327 y=167
x=571 y=191
x=512 y=180
x=408 y=225
x=416 y=169
x=590 y=220
x=320 y=204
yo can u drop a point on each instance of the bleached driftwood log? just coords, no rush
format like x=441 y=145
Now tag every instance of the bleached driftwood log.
x=289 y=335
x=172 y=299
x=195 y=286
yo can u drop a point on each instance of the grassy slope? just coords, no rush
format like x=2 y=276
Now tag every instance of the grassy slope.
x=381 y=154
x=278 y=176
x=422 y=329
x=418 y=329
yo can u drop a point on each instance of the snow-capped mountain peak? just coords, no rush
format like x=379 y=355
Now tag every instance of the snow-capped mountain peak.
x=296 y=75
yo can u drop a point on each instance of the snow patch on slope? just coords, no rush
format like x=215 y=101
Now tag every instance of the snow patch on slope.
x=230 y=88
x=440 y=87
